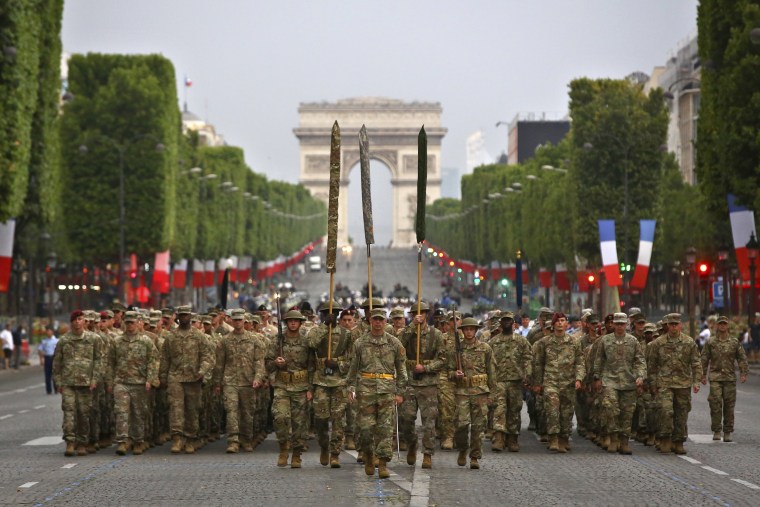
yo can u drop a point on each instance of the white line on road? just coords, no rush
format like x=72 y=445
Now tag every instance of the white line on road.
x=23 y=411
x=69 y=465
x=39 y=407
x=21 y=390
x=45 y=441
x=690 y=460
x=714 y=470
x=6 y=416
x=745 y=483
x=420 y=489
x=28 y=484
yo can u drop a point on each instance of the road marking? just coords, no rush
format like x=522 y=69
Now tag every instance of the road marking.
x=714 y=470
x=45 y=441
x=705 y=438
x=69 y=465
x=21 y=390
x=745 y=483
x=28 y=484
x=39 y=407
x=23 y=411
x=420 y=489
x=6 y=416
x=690 y=460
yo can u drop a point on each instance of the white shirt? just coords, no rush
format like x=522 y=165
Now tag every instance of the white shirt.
x=7 y=339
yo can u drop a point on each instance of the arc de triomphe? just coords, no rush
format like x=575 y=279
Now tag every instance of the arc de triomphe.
x=392 y=127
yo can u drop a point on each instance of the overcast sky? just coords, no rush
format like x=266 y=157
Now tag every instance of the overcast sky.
x=252 y=62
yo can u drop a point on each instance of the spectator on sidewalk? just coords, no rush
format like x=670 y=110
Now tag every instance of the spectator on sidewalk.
x=6 y=337
x=46 y=351
x=19 y=334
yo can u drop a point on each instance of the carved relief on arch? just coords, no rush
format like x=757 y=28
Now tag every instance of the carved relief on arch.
x=410 y=164
x=316 y=164
x=387 y=157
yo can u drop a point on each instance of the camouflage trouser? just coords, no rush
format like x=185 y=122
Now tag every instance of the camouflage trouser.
x=217 y=407
x=106 y=415
x=260 y=410
x=330 y=410
x=148 y=414
x=675 y=405
x=424 y=399
x=596 y=421
x=375 y=419
x=559 y=402
x=446 y=407
x=184 y=408
x=506 y=413
x=350 y=420
x=291 y=417
x=206 y=410
x=653 y=413
x=540 y=408
x=160 y=412
x=76 y=403
x=618 y=406
x=530 y=402
x=640 y=414
x=582 y=409
x=97 y=394
x=239 y=403
x=130 y=407
x=472 y=414
x=722 y=401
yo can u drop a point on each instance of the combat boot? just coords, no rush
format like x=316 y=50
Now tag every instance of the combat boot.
x=590 y=435
x=512 y=444
x=462 y=458
x=678 y=448
x=70 y=449
x=427 y=461
x=138 y=449
x=650 y=440
x=497 y=441
x=369 y=463
x=665 y=445
x=324 y=457
x=104 y=442
x=232 y=448
x=382 y=469
x=190 y=447
x=447 y=444
x=641 y=436
x=553 y=443
x=623 y=447
x=295 y=460
x=727 y=437
x=334 y=460
x=605 y=442
x=411 y=454
x=474 y=465
x=91 y=449
x=543 y=437
x=613 y=447
x=401 y=444
x=176 y=444
x=282 y=459
x=247 y=446
x=81 y=450
x=562 y=445
x=716 y=435
x=350 y=443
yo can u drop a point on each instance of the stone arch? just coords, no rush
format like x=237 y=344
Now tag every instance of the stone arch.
x=392 y=127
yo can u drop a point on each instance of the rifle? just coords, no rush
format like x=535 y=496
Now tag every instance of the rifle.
x=457 y=344
x=280 y=335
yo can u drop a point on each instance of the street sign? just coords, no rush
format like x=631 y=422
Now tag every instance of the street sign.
x=717 y=293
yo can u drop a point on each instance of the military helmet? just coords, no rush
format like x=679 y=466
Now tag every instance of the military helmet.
x=130 y=317
x=294 y=315
x=325 y=307
x=378 y=312
x=376 y=303
x=238 y=314
x=469 y=322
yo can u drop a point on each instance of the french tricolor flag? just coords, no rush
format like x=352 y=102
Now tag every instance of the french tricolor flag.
x=161 y=273
x=7 y=231
x=609 y=252
x=563 y=282
x=646 y=242
x=197 y=274
x=742 y=227
x=209 y=273
x=179 y=277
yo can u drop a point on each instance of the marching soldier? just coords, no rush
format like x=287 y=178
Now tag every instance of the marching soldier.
x=720 y=356
x=422 y=385
x=377 y=379
x=77 y=370
x=446 y=388
x=330 y=398
x=473 y=369
x=675 y=368
x=289 y=359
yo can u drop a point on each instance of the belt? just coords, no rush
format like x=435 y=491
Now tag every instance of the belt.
x=296 y=376
x=474 y=381
x=321 y=360
x=378 y=375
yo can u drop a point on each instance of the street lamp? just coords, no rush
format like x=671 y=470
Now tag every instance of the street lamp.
x=691 y=258
x=723 y=253
x=121 y=148
x=753 y=248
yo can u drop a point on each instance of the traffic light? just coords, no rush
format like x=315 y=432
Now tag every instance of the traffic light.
x=504 y=282
x=591 y=279
x=703 y=269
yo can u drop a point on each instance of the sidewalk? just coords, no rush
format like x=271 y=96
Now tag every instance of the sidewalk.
x=34 y=360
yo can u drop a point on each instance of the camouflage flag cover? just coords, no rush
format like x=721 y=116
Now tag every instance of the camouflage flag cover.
x=419 y=225
x=332 y=203
x=369 y=232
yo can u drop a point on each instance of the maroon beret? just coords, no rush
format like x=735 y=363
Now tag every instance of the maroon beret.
x=557 y=316
x=75 y=315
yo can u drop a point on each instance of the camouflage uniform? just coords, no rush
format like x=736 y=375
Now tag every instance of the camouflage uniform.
x=240 y=364
x=472 y=392
x=134 y=364
x=619 y=364
x=77 y=367
x=330 y=399
x=187 y=360
x=377 y=374
x=557 y=365
x=535 y=407
x=422 y=389
x=513 y=357
x=674 y=367
x=720 y=356
x=446 y=398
